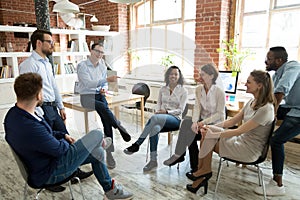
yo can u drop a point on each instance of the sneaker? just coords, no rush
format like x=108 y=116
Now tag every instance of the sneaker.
x=272 y=189
x=110 y=161
x=150 y=166
x=174 y=159
x=132 y=149
x=125 y=135
x=106 y=142
x=117 y=192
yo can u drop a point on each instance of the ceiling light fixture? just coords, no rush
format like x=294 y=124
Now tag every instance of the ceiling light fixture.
x=65 y=6
x=125 y=1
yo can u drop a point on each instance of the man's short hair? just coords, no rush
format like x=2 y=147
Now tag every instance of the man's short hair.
x=28 y=85
x=96 y=44
x=280 y=52
x=38 y=35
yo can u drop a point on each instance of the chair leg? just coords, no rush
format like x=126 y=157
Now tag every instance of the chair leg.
x=218 y=177
x=81 y=190
x=261 y=181
x=38 y=193
x=70 y=188
x=25 y=191
x=137 y=119
x=147 y=152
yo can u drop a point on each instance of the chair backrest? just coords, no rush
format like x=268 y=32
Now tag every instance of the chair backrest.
x=266 y=148
x=141 y=89
x=22 y=167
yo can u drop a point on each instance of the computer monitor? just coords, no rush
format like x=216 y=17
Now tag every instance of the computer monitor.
x=229 y=80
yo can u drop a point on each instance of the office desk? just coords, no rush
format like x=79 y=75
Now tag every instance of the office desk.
x=73 y=102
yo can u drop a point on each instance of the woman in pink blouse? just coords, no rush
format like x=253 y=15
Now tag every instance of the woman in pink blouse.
x=171 y=103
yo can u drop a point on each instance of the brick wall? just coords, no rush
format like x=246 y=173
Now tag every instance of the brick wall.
x=115 y=15
x=212 y=21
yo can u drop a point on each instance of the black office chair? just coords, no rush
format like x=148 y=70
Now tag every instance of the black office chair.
x=24 y=173
x=141 y=89
x=256 y=163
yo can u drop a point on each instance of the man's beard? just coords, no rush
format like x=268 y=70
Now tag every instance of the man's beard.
x=47 y=52
x=271 y=67
x=39 y=103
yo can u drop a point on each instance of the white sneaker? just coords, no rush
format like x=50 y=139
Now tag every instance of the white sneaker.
x=272 y=189
x=107 y=141
x=118 y=192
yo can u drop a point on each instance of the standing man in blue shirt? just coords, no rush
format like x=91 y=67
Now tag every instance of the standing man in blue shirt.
x=93 y=84
x=38 y=62
x=286 y=87
x=52 y=156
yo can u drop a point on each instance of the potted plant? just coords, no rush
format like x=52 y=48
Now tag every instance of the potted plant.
x=234 y=56
x=167 y=60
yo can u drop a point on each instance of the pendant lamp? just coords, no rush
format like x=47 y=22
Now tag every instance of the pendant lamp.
x=65 y=6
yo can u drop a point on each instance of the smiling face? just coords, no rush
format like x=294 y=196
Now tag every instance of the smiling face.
x=205 y=78
x=272 y=63
x=97 y=52
x=252 y=86
x=174 y=77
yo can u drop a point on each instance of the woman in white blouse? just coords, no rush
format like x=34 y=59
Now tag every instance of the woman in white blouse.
x=171 y=103
x=209 y=108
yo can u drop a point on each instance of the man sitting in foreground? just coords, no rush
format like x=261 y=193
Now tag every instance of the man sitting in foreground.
x=52 y=156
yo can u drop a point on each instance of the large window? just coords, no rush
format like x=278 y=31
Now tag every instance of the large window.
x=163 y=30
x=262 y=24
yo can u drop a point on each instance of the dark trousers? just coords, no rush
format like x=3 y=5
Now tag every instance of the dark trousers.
x=53 y=118
x=188 y=138
x=98 y=102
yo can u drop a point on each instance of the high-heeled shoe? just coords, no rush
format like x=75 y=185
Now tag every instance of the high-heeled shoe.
x=204 y=183
x=194 y=178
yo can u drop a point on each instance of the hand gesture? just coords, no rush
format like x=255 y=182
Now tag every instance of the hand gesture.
x=113 y=78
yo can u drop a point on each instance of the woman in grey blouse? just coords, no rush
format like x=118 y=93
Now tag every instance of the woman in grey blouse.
x=244 y=143
x=171 y=103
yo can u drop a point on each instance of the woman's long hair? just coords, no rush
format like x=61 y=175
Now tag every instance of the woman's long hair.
x=265 y=94
x=168 y=72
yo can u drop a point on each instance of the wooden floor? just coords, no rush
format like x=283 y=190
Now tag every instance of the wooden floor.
x=162 y=184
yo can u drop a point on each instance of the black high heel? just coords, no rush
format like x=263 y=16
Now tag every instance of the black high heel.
x=194 y=178
x=204 y=183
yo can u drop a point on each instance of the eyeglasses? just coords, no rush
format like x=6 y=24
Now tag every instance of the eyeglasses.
x=98 y=51
x=51 y=42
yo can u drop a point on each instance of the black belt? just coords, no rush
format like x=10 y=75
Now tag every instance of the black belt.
x=53 y=103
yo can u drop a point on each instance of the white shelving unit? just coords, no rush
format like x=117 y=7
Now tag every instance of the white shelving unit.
x=65 y=81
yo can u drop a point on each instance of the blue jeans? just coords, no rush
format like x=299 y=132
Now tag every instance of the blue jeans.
x=98 y=102
x=86 y=150
x=154 y=126
x=289 y=128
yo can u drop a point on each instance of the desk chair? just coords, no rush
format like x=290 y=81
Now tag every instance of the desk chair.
x=256 y=163
x=141 y=89
x=24 y=172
